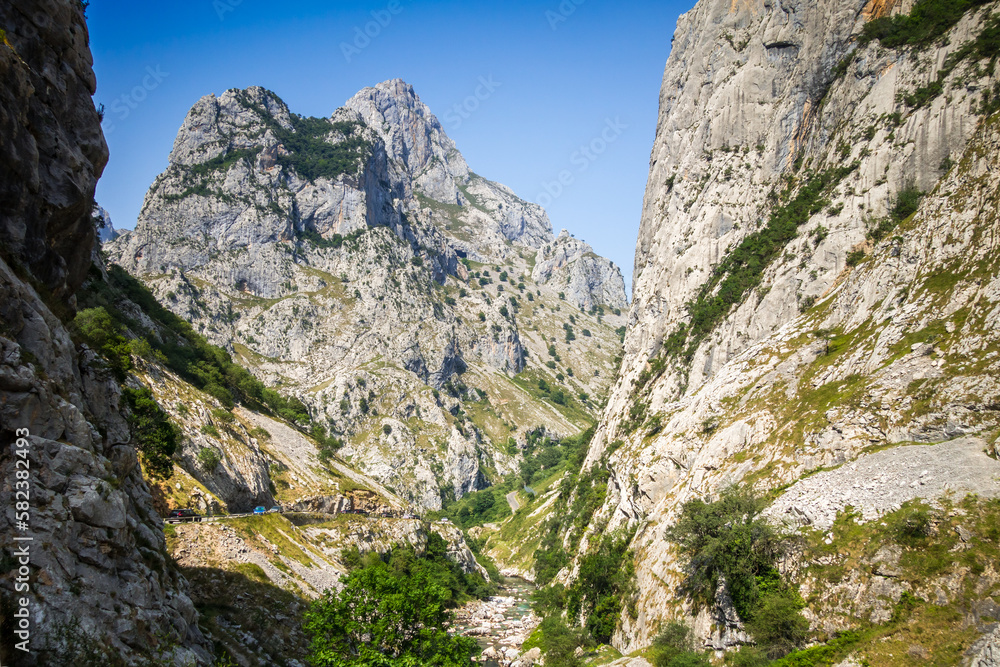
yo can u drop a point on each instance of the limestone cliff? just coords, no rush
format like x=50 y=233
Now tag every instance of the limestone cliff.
x=414 y=306
x=99 y=574
x=797 y=305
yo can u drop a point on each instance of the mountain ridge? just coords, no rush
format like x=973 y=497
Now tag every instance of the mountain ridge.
x=392 y=249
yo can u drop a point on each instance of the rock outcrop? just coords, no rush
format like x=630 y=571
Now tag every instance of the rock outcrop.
x=586 y=279
x=105 y=226
x=358 y=262
x=797 y=305
x=97 y=574
x=53 y=149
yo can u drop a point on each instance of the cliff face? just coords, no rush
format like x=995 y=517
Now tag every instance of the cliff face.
x=53 y=149
x=358 y=262
x=98 y=573
x=796 y=304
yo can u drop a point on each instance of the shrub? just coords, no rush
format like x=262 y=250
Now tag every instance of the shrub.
x=559 y=642
x=927 y=21
x=913 y=525
x=727 y=540
x=854 y=257
x=392 y=613
x=153 y=434
x=208 y=459
x=674 y=647
x=604 y=578
x=386 y=429
x=743 y=267
x=100 y=331
x=776 y=625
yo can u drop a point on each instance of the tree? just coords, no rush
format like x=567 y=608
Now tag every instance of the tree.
x=99 y=330
x=726 y=540
x=605 y=577
x=380 y=618
x=154 y=436
x=208 y=459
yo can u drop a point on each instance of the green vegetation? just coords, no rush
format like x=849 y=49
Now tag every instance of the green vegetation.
x=314 y=148
x=854 y=257
x=477 y=507
x=154 y=436
x=558 y=641
x=606 y=577
x=728 y=541
x=927 y=22
x=588 y=491
x=314 y=239
x=327 y=444
x=310 y=154
x=103 y=334
x=907 y=202
x=393 y=611
x=183 y=351
x=605 y=581
x=208 y=459
x=543 y=458
x=222 y=163
x=543 y=455
x=674 y=647
x=743 y=267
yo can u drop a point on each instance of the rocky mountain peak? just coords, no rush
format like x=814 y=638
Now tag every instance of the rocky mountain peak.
x=216 y=126
x=413 y=138
x=357 y=262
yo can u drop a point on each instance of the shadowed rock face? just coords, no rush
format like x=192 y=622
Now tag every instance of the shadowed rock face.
x=99 y=569
x=53 y=150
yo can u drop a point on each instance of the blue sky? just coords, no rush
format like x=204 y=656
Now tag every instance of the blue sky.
x=572 y=92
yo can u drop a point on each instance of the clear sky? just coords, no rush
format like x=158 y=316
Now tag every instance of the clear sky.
x=522 y=87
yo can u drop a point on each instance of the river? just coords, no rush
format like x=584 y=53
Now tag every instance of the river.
x=501 y=623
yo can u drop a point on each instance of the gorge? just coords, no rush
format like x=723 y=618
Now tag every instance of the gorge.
x=782 y=448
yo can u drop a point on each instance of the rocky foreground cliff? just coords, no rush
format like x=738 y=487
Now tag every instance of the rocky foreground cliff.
x=816 y=280
x=85 y=504
x=426 y=316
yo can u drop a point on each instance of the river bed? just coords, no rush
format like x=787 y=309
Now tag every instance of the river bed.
x=501 y=623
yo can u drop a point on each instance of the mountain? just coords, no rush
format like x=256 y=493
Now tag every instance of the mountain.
x=105 y=227
x=814 y=320
x=427 y=317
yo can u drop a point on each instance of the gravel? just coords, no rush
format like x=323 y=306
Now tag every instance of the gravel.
x=879 y=483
